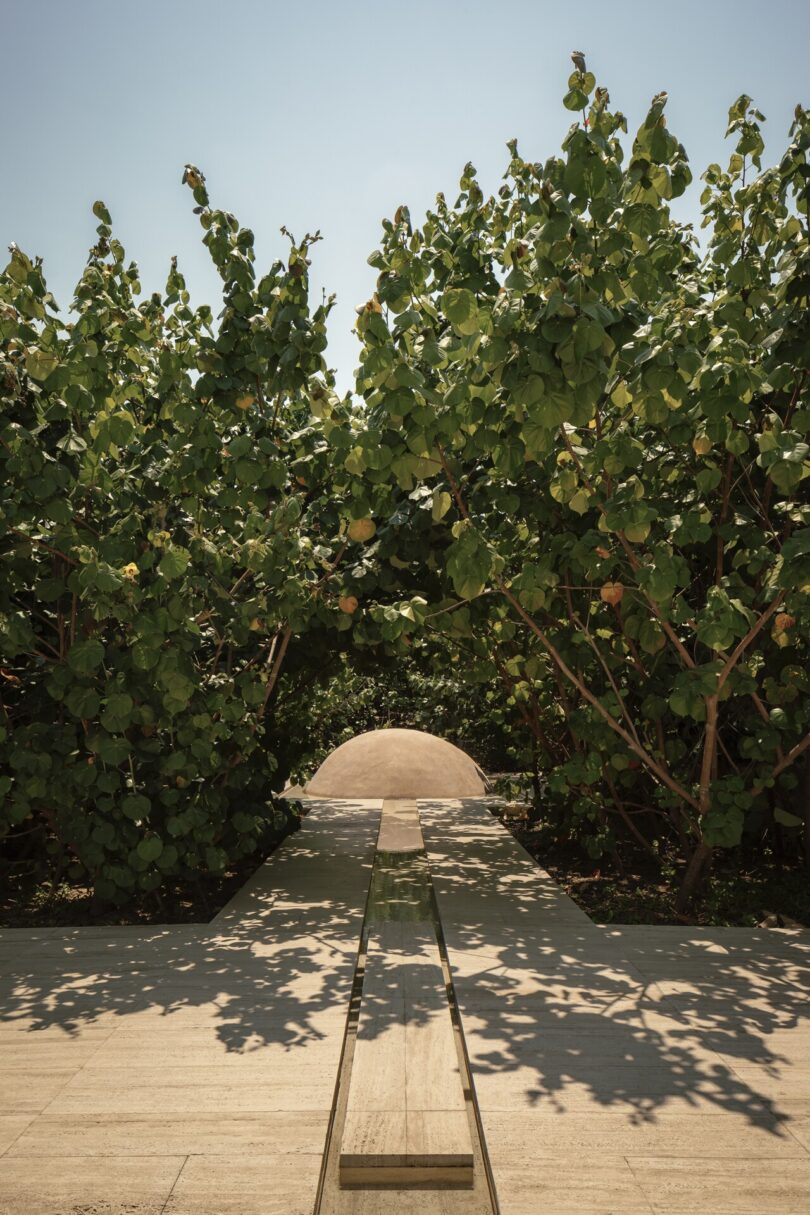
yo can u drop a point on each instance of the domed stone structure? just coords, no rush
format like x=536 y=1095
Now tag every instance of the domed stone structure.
x=397 y=763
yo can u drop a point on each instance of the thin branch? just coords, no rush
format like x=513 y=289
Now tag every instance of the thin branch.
x=587 y=695
x=743 y=644
x=42 y=544
x=465 y=514
x=785 y=762
x=602 y=662
x=558 y=659
x=709 y=751
x=276 y=668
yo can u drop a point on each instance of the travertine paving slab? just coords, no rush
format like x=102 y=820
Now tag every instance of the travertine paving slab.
x=62 y=1185
x=11 y=1127
x=612 y=1132
x=373 y=1140
x=635 y=1092
x=565 y=1185
x=24 y=1092
x=730 y=1186
x=189 y=1052
x=424 y=1201
x=799 y=1126
x=266 y=1184
x=184 y=1099
x=786 y=1085
x=172 y=1135
x=440 y=1139
x=399 y=828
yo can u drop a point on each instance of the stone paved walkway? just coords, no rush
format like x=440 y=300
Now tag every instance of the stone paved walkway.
x=632 y=1069
x=186 y=1070
x=192 y=1070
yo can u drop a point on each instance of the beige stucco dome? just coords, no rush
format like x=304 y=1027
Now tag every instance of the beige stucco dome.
x=397 y=763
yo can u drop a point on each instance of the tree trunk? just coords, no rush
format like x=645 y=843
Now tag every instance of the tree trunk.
x=699 y=860
x=678 y=816
x=776 y=834
x=693 y=878
x=536 y=769
x=626 y=819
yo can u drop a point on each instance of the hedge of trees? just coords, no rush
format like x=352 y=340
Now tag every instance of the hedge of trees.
x=573 y=476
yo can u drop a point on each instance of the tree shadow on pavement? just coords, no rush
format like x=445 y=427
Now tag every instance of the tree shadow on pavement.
x=562 y=1015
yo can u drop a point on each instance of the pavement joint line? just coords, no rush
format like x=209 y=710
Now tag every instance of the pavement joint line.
x=642 y=1191
x=174 y=1183
x=22 y=1131
x=103 y=1042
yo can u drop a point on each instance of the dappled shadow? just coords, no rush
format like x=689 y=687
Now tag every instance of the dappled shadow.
x=275 y=966
x=559 y=1015
x=564 y=1016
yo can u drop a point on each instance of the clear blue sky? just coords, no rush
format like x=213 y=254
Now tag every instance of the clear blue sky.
x=327 y=115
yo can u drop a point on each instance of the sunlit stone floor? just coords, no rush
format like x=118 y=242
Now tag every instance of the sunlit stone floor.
x=192 y=1069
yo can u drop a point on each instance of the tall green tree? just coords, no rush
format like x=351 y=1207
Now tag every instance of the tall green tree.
x=159 y=552
x=613 y=429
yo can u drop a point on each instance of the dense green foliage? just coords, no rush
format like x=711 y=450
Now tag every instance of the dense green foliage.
x=571 y=489
x=615 y=430
x=157 y=552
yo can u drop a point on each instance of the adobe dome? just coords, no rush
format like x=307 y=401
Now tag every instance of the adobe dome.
x=397 y=763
